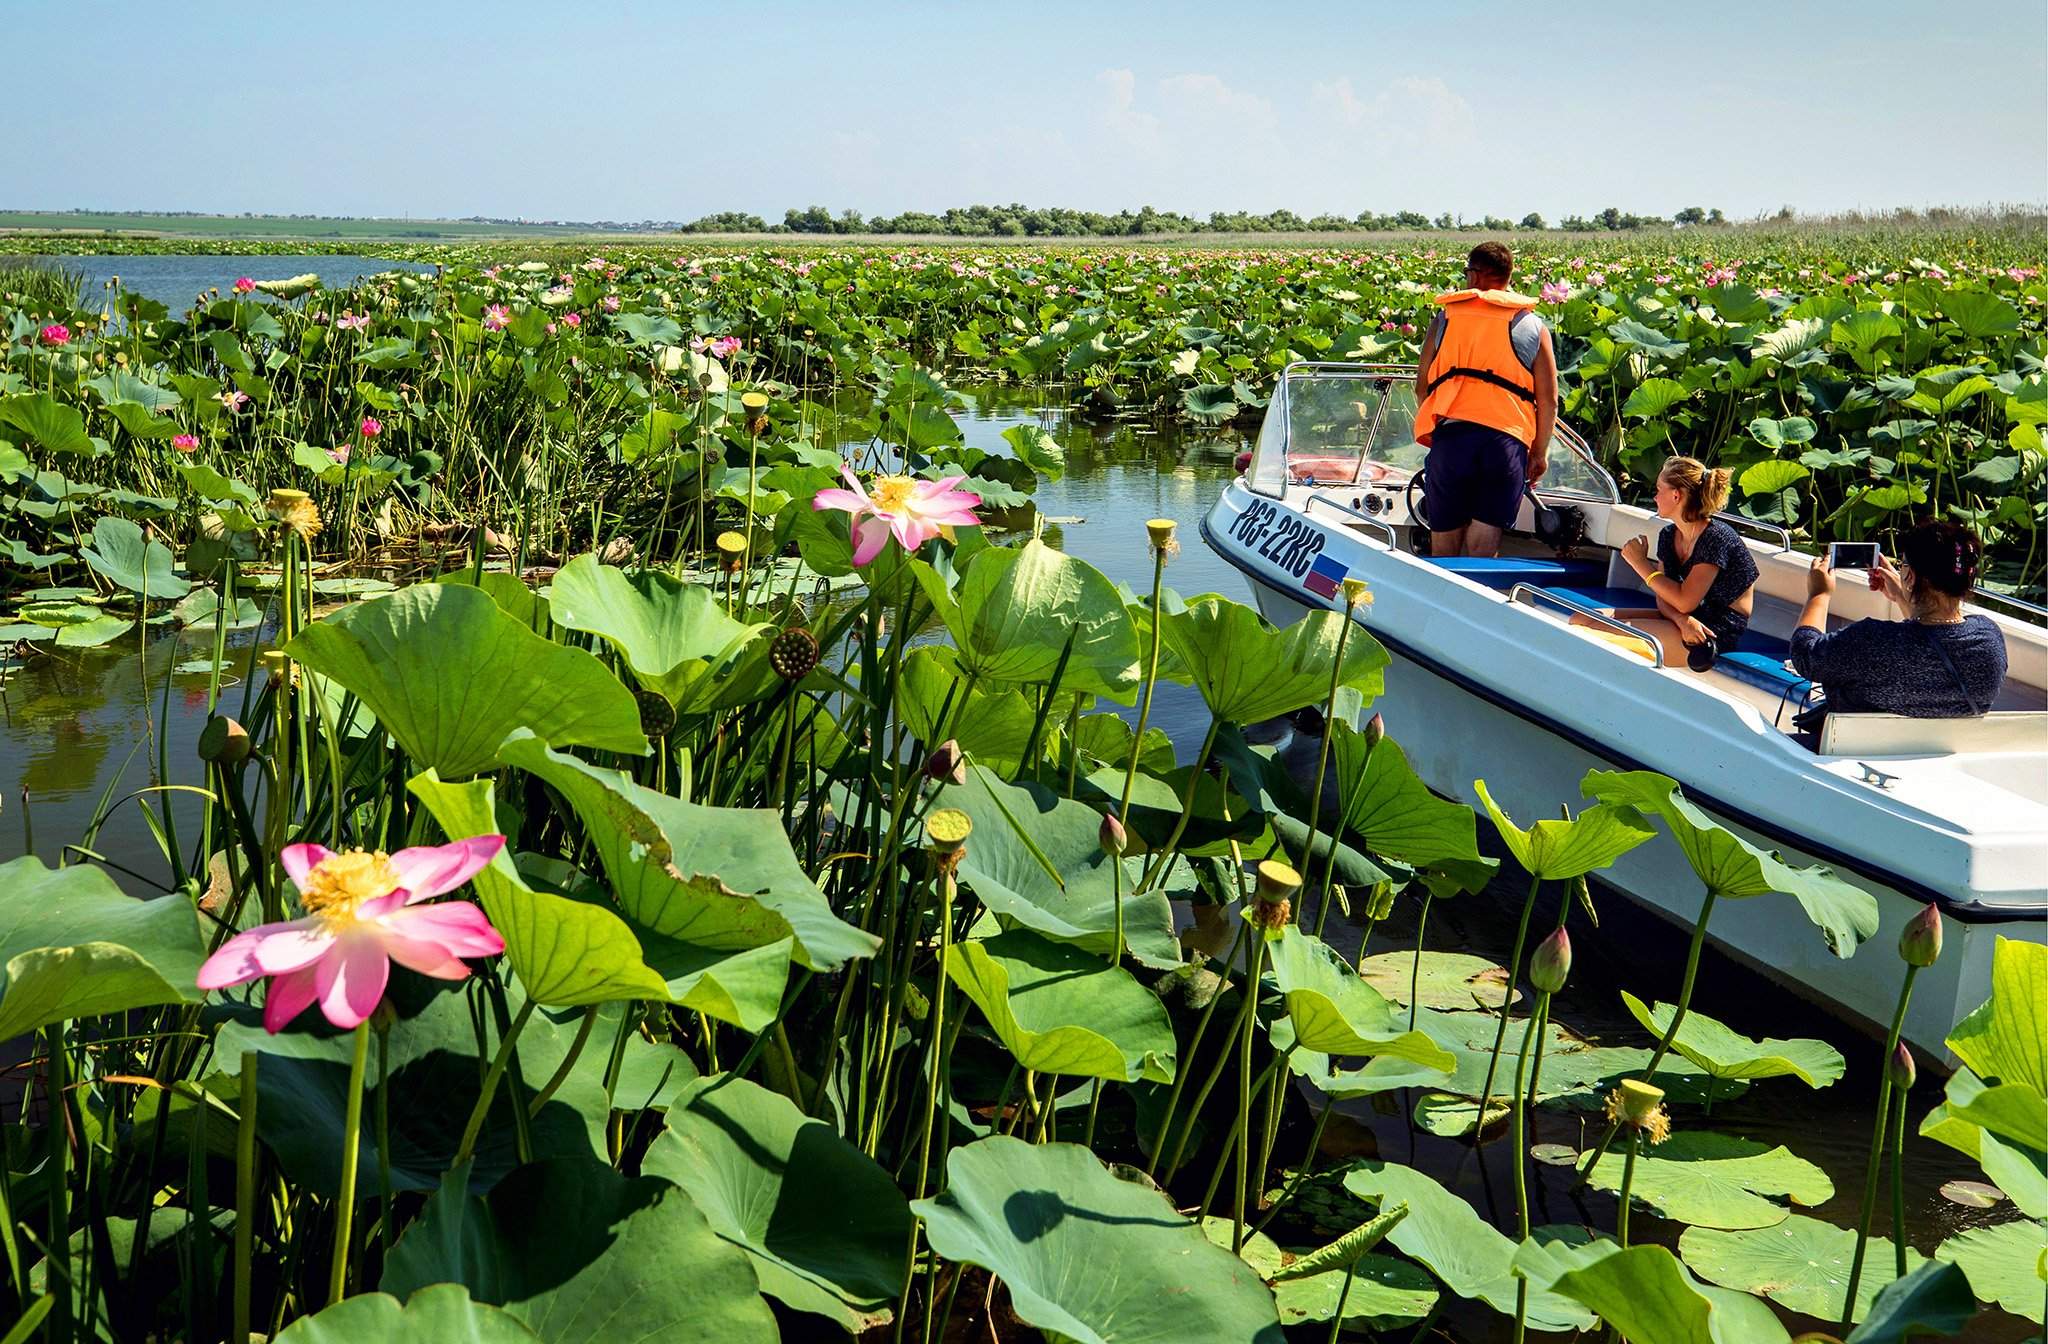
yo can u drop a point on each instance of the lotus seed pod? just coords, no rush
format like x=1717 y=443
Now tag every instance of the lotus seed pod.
x=1900 y=1068
x=1375 y=730
x=732 y=548
x=657 y=715
x=1115 y=841
x=223 y=741
x=1161 y=530
x=1920 y=941
x=1356 y=594
x=947 y=829
x=1639 y=1100
x=1551 y=962
x=947 y=764
x=1273 y=899
x=793 y=653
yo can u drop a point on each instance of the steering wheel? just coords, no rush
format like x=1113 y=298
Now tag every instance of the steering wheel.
x=1413 y=497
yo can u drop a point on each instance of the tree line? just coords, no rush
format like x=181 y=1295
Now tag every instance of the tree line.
x=1021 y=221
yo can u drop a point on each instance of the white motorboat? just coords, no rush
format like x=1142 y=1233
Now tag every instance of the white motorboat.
x=1493 y=679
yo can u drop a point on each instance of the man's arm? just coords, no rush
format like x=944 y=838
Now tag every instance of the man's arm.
x=1546 y=406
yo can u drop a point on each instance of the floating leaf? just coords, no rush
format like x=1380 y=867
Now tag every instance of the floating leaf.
x=1728 y=1054
x=1716 y=1180
x=1801 y=1264
x=1060 y=1010
x=2003 y=1264
x=1451 y=981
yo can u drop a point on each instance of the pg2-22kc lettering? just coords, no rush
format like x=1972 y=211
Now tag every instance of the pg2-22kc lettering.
x=1287 y=540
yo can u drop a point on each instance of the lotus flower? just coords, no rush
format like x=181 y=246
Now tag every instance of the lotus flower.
x=372 y=427
x=185 y=443
x=56 y=334
x=916 y=511
x=234 y=399
x=349 y=321
x=572 y=320
x=243 y=284
x=495 y=317
x=363 y=912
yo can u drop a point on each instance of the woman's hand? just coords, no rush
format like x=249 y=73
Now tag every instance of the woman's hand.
x=1690 y=631
x=1635 y=553
x=1820 y=577
x=1886 y=579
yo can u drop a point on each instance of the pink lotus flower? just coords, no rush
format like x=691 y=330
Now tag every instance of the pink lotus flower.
x=1556 y=292
x=611 y=303
x=371 y=427
x=186 y=443
x=362 y=914
x=234 y=399
x=572 y=320
x=56 y=334
x=490 y=272
x=339 y=453
x=718 y=347
x=495 y=317
x=351 y=321
x=915 y=511
x=244 y=285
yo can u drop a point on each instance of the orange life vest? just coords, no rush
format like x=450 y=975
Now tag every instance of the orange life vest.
x=1476 y=375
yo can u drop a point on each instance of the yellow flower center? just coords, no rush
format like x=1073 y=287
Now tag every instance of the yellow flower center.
x=341 y=883
x=892 y=493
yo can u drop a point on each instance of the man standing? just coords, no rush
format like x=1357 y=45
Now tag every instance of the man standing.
x=1488 y=387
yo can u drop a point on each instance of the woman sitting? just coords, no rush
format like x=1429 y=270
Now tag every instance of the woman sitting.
x=1703 y=575
x=1937 y=663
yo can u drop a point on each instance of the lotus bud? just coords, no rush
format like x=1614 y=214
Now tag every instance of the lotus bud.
x=1375 y=730
x=1273 y=899
x=947 y=764
x=946 y=832
x=1356 y=594
x=223 y=741
x=1112 y=836
x=1551 y=962
x=793 y=653
x=1899 y=1069
x=1920 y=941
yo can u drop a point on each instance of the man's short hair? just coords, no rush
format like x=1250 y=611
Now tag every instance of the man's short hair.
x=1492 y=259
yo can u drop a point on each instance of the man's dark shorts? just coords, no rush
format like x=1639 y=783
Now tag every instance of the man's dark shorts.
x=1474 y=473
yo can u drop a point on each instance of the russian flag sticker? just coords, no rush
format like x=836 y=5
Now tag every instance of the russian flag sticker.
x=1325 y=575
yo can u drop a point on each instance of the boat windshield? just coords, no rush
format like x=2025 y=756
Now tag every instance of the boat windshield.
x=1355 y=425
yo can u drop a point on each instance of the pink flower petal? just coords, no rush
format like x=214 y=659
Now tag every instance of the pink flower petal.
x=870 y=535
x=289 y=948
x=911 y=531
x=927 y=491
x=235 y=963
x=426 y=958
x=288 y=997
x=836 y=498
x=298 y=860
x=457 y=927
x=350 y=980
x=435 y=870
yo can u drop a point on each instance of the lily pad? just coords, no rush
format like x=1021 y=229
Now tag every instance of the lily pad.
x=1728 y=1054
x=1087 y=1256
x=1385 y=1292
x=1717 y=1180
x=2003 y=1264
x=1972 y=1194
x=823 y=1224
x=449 y=675
x=440 y=1314
x=72 y=945
x=1060 y=1010
x=1801 y=1263
x=1452 y=981
x=579 y=1252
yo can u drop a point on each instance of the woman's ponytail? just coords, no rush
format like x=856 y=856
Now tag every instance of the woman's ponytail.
x=1706 y=492
x=1714 y=492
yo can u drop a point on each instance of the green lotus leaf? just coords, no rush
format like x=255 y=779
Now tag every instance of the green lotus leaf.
x=1801 y=1264
x=2005 y=1040
x=1775 y=434
x=1770 y=476
x=1729 y=1054
x=1795 y=338
x=1555 y=850
x=2019 y=1170
x=72 y=945
x=50 y=422
x=1448 y=981
x=1034 y=860
x=1646 y=1294
x=449 y=675
x=1334 y=1012
x=1209 y=402
x=1716 y=1180
x=1037 y=449
x=1247 y=671
x=513 y=597
x=291 y=287
x=1384 y=1294
x=123 y=556
x=1384 y=801
x=1728 y=865
x=1934 y=1299
x=676 y=637
x=440 y=1314
x=1088 y=1257
x=579 y=1252
x=823 y=1224
x=1017 y=610
x=1649 y=340
x=1653 y=397
x=1463 y=1250
x=993 y=725
x=721 y=878
x=91 y=634
x=2003 y=1264
x=1982 y=316
x=1060 y=1010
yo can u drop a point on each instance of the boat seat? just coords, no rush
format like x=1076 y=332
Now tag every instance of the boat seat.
x=1505 y=571
x=1604 y=599
x=1757 y=659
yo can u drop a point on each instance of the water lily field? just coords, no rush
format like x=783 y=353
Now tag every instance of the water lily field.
x=706 y=795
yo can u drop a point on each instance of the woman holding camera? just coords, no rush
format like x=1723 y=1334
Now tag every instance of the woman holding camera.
x=1937 y=663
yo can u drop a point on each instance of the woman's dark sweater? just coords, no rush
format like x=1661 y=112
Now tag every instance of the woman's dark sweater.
x=1893 y=667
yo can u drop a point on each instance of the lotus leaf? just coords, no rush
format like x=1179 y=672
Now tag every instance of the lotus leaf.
x=1384 y=1292
x=1334 y=1012
x=440 y=1314
x=51 y=423
x=2003 y=1264
x=1646 y=1294
x=1730 y=866
x=674 y=635
x=72 y=945
x=1246 y=671
x=992 y=725
x=1555 y=850
x=449 y=675
x=1728 y=1054
x=1717 y=1180
x=123 y=556
x=2005 y=1040
x=1444 y=1232
x=1934 y=1299
x=1386 y=802
x=1060 y=1010
x=721 y=878
x=1449 y=981
x=1801 y=1263
x=823 y=1224
x=1017 y=611
x=605 y=1268
x=1087 y=1256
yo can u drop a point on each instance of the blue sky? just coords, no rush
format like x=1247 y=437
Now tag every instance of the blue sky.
x=591 y=109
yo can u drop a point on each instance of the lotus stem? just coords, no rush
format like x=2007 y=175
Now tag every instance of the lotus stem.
x=57 y=1131
x=1301 y=1173
x=1315 y=801
x=388 y=1223
x=1123 y=808
x=1244 y=1097
x=561 y=1073
x=1344 y=1295
x=474 y=1128
x=1628 y=1177
x=1245 y=1008
x=351 y=1159
x=245 y=1197
x=1531 y=1040
x=1180 y=1075
x=1507 y=998
x=1155 y=866
x=1415 y=970
x=1898 y=1165
x=1875 y=1161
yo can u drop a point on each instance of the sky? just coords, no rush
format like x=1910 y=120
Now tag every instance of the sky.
x=610 y=109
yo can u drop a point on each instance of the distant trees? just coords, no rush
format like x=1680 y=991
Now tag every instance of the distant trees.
x=1022 y=221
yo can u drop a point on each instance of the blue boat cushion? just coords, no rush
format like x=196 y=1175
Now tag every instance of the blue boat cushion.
x=1605 y=599
x=1506 y=571
x=1757 y=659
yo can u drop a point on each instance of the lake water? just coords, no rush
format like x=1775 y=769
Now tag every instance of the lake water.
x=81 y=727
x=175 y=281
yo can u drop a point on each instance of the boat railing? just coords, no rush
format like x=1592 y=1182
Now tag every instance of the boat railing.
x=1781 y=535
x=1535 y=594
x=2013 y=606
x=1380 y=524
